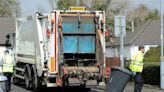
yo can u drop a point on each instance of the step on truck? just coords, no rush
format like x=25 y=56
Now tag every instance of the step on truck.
x=61 y=48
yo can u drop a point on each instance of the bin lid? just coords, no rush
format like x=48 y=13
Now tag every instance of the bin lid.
x=122 y=69
x=3 y=78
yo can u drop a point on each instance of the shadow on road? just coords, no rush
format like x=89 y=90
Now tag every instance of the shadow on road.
x=65 y=89
x=21 y=88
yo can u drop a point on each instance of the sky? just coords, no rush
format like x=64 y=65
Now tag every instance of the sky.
x=30 y=6
x=152 y=3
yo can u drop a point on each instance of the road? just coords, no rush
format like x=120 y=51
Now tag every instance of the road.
x=19 y=88
x=128 y=88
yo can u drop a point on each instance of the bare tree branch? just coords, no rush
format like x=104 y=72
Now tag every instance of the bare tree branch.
x=53 y=3
x=9 y=8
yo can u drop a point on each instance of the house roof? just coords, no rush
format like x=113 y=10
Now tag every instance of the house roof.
x=147 y=34
x=7 y=25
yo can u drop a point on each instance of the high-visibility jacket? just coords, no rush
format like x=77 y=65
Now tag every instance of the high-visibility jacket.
x=136 y=64
x=7 y=63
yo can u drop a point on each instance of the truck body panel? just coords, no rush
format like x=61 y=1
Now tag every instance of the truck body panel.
x=24 y=40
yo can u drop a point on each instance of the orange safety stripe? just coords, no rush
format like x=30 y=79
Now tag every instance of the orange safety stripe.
x=99 y=34
x=52 y=69
x=53 y=58
x=97 y=42
x=60 y=21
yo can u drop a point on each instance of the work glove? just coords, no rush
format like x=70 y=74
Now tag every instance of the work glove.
x=134 y=74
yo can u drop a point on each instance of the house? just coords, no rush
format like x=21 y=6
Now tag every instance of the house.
x=7 y=27
x=147 y=35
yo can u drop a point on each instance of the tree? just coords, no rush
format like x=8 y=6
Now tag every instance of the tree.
x=101 y=4
x=154 y=14
x=9 y=8
x=116 y=7
x=141 y=14
x=53 y=3
x=138 y=14
x=65 y=4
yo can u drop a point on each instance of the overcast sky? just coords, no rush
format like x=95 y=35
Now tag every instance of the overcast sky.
x=30 y=6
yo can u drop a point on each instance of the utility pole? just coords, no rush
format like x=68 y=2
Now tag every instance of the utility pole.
x=162 y=57
x=120 y=31
x=121 y=45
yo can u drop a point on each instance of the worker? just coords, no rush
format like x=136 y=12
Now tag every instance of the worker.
x=7 y=63
x=136 y=66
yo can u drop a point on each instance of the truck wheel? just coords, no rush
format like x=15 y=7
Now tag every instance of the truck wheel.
x=65 y=81
x=35 y=83
x=35 y=80
x=28 y=77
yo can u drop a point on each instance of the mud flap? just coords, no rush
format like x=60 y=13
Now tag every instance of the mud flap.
x=59 y=82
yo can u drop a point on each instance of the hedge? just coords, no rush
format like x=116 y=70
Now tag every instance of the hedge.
x=151 y=75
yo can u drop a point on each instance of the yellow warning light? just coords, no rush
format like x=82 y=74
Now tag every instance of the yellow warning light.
x=77 y=8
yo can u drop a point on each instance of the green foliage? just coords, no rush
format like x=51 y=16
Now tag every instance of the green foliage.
x=151 y=75
x=151 y=71
x=65 y=4
x=152 y=57
x=101 y=4
x=9 y=8
x=153 y=15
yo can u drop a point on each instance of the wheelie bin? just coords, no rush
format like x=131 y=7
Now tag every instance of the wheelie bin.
x=118 y=79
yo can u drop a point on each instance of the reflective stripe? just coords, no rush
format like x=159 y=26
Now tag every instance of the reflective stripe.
x=7 y=68
x=8 y=65
x=140 y=64
x=136 y=67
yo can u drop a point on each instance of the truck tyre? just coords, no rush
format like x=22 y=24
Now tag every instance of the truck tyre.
x=35 y=80
x=28 y=77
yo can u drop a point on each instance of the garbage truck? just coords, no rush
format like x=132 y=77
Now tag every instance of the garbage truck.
x=60 y=48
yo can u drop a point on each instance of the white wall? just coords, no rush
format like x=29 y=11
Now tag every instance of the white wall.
x=129 y=51
x=111 y=52
x=134 y=49
x=2 y=49
x=114 y=52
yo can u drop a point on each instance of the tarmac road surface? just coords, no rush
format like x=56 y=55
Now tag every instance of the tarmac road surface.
x=18 y=88
x=128 y=88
